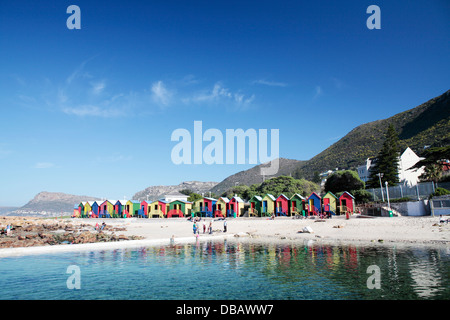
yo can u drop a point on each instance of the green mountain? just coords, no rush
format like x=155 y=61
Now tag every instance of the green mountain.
x=425 y=125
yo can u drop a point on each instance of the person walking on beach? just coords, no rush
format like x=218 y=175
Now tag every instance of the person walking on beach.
x=210 y=227
x=225 y=225
x=195 y=227
x=204 y=226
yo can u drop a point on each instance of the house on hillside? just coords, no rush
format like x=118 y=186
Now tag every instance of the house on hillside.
x=406 y=160
x=176 y=196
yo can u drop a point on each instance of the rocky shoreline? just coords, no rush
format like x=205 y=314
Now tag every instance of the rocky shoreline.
x=30 y=232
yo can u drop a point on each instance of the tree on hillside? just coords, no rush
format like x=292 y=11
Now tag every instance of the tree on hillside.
x=344 y=180
x=194 y=197
x=387 y=160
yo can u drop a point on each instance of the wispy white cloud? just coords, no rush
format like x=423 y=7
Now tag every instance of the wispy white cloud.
x=113 y=158
x=91 y=110
x=221 y=94
x=318 y=92
x=269 y=83
x=160 y=94
x=98 y=86
x=44 y=165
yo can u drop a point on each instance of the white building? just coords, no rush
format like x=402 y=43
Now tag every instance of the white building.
x=175 y=196
x=407 y=160
x=407 y=177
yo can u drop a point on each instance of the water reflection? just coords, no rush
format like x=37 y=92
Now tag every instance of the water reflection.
x=339 y=271
x=234 y=270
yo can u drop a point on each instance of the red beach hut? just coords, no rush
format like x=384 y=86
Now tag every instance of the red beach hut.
x=282 y=205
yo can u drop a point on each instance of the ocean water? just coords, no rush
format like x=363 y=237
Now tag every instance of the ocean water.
x=230 y=270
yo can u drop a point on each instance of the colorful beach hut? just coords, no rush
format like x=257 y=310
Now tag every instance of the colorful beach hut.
x=255 y=206
x=95 y=206
x=267 y=205
x=143 y=209
x=87 y=208
x=132 y=207
x=329 y=203
x=297 y=205
x=346 y=203
x=107 y=209
x=77 y=209
x=179 y=208
x=314 y=204
x=235 y=207
x=282 y=205
x=158 y=208
x=221 y=207
x=119 y=208
x=205 y=206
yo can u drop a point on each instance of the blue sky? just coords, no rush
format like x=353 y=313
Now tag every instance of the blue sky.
x=91 y=111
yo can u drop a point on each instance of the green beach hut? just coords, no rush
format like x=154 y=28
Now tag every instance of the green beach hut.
x=296 y=205
x=255 y=206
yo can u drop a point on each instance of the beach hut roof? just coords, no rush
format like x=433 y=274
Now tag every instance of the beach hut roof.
x=331 y=193
x=225 y=199
x=91 y=203
x=134 y=201
x=346 y=192
x=282 y=195
x=122 y=202
x=298 y=195
x=270 y=196
x=189 y=202
x=212 y=199
x=257 y=198
x=238 y=199
x=315 y=195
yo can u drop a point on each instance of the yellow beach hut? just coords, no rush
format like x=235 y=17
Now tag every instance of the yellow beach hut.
x=158 y=209
x=329 y=203
x=221 y=207
x=267 y=205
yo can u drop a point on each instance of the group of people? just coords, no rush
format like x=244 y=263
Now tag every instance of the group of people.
x=100 y=228
x=198 y=222
x=7 y=230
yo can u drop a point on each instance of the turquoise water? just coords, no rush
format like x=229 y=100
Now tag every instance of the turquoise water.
x=228 y=270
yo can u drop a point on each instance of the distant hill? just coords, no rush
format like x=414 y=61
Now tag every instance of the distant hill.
x=6 y=210
x=50 y=204
x=157 y=192
x=426 y=124
x=253 y=175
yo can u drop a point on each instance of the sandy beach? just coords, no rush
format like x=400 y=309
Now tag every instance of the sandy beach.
x=405 y=230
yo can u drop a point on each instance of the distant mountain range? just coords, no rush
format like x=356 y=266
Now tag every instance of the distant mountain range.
x=50 y=204
x=158 y=192
x=425 y=125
